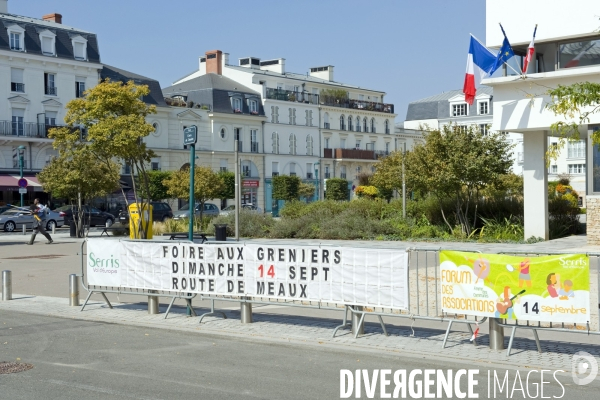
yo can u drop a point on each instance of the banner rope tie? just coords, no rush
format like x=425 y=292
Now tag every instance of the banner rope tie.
x=412 y=316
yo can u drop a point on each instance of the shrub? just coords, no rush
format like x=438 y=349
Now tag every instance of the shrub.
x=337 y=189
x=252 y=224
x=366 y=191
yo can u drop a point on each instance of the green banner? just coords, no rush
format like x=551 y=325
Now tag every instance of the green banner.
x=550 y=288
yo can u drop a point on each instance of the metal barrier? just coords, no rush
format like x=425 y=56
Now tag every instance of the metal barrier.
x=424 y=302
x=102 y=290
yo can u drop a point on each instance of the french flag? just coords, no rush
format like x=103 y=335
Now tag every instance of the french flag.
x=530 y=50
x=479 y=58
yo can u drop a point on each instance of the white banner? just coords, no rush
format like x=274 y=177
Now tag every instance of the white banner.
x=342 y=275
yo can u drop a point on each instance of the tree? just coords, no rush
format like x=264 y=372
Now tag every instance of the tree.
x=337 y=189
x=228 y=191
x=113 y=117
x=575 y=104
x=306 y=191
x=286 y=187
x=78 y=176
x=207 y=185
x=388 y=172
x=457 y=164
x=156 y=186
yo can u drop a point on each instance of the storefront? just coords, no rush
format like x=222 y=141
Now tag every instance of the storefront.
x=250 y=192
x=9 y=190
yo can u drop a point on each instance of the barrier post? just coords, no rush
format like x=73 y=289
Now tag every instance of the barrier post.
x=246 y=311
x=358 y=325
x=6 y=285
x=24 y=230
x=73 y=290
x=496 y=334
x=153 y=303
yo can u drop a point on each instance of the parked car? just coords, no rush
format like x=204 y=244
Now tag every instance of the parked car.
x=91 y=214
x=210 y=210
x=5 y=208
x=160 y=212
x=229 y=209
x=14 y=218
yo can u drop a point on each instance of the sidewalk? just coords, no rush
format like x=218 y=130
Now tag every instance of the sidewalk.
x=314 y=331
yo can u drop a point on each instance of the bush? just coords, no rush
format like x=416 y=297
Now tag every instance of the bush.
x=337 y=189
x=252 y=224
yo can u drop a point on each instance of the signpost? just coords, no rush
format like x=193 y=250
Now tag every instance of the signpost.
x=21 y=151
x=190 y=137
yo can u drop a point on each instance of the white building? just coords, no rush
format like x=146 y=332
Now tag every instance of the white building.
x=43 y=65
x=310 y=131
x=567 y=50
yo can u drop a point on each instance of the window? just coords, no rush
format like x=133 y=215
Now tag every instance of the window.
x=274 y=114
x=342 y=143
x=365 y=127
x=387 y=126
x=222 y=134
x=484 y=129
x=47 y=40
x=484 y=107
x=357 y=124
x=343 y=172
x=17 y=121
x=16 y=158
x=309 y=145
x=236 y=104
x=357 y=144
x=387 y=148
x=373 y=130
x=79 y=47
x=79 y=87
x=16 y=80
x=126 y=169
x=309 y=171
x=292 y=169
x=50 y=155
x=327 y=174
x=576 y=168
x=253 y=106
x=223 y=165
x=155 y=164
x=51 y=118
x=459 y=110
x=579 y=54
x=342 y=123
x=17 y=38
x=275 y=140
x=554 y=169
x=292 y=143
x=370 y=146
x=350 y=128
x=576 y=149
x=49 y=84
x=327 y=143
x=246 y=170
x=253 y=141
x=326 y=121
x=361 y=97
x=274 y=168
x=292 y=120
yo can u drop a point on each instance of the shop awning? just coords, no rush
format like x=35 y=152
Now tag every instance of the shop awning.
x=11 y=182
x=8 y=180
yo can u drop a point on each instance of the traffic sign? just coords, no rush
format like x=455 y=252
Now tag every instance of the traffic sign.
x=190 y=135
x=23 y=190
x=22 y=183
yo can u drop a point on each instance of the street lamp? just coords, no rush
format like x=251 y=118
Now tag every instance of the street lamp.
x=317 y=178
x=21 y=152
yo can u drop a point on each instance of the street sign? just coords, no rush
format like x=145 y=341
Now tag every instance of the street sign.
x=22 y=183
x=23 y=190
x=190 y=135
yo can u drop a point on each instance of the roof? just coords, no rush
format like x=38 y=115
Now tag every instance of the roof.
x=214 y=91
x=64 y=46
x=301 y=77
x=436 y=107
x=116 y=74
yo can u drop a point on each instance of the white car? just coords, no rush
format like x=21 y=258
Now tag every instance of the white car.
x=229 y=209
x=13 y=220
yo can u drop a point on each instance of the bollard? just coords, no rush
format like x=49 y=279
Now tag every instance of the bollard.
x=246 y=310
x=24 y=230
x=73 y=290
x=496 y=334
x=53 y=229
x=6 y=285
x=355 y=322
x=153 y=303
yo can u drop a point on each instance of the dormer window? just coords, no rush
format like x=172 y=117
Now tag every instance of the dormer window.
x=253 y=106
x=16 y=36
x=236 y=103
x=79 y=47
x=459 y=110
x=48 y=41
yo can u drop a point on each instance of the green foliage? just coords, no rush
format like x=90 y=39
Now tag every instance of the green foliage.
x=306 y=191
x=156 y=186
x=286 y=187
x=228 y=191
x=457 y=164
x=506 y=229
x=333 y=95
x=388 y=172
x=207 y=185
x=252 y=224
x=369 y=192
x=337 y=189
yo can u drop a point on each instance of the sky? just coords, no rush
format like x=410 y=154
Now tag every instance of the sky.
x=408 y=49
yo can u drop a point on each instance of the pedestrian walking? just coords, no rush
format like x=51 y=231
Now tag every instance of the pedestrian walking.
x=38 y=211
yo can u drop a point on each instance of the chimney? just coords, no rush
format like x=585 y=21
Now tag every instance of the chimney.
x=325 y=73
x=276 y=65
x=53 y=18
x=4 y=6
x=250 y=62
x=214 y=63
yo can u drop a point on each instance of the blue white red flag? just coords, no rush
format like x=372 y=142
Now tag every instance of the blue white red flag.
x=480 y=59
x=530 y=50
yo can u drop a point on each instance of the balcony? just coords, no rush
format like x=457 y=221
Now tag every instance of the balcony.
x=381 y=153
x=327 y=175
x=26 y=129
x=289 y=95
x=358 y=105
x=349 y=153
x=254 y=147
x=51 y=91
x=17 y=87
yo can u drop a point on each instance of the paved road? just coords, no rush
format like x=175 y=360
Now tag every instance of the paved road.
x=86 y=360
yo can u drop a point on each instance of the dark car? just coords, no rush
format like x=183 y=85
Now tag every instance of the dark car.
x=160 y=212
x=91 y=214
